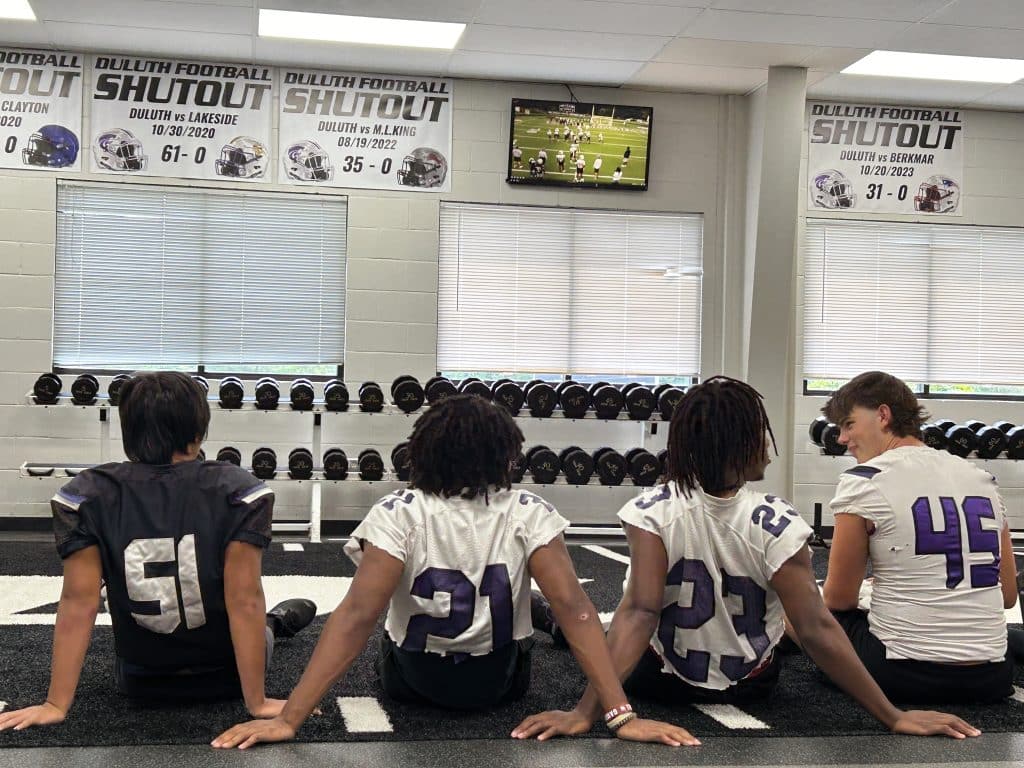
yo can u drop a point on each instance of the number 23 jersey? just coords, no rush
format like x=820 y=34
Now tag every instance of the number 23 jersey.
x=720 y=616
x=465 y=587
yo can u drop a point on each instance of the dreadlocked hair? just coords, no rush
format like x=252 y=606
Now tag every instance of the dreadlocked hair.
x=463 y=446
x=717 y=432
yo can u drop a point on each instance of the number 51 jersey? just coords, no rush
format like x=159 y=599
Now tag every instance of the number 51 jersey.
x=465 y=587
x=720 y=616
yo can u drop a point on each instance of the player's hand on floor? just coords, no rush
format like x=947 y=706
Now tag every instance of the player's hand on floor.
x=657 y=731
x=244 y=735
x=268 y=709
x=926 y=723
x=20 y=719
x=555 y=722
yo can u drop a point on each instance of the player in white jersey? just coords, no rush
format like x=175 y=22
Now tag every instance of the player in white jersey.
x=933 y=528
x=517 y=157
x=712 y=565
x=451 y=557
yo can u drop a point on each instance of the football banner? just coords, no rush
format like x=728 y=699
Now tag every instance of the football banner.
x=885 y=159
x=184 y=119
x=40 y=109
x=365 y=131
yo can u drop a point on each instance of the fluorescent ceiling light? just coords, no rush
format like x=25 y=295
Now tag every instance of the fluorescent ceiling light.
x=359 y=29
x=933 y=66
x=16 y=9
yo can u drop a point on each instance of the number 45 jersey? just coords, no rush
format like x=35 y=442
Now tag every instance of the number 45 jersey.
x=721 y=618
x=465 y=587
x=934 y=553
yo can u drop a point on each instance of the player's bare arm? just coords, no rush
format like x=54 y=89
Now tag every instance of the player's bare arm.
x=828 y=646
x=342 y=640
x=76 y=614
x=247 y=610
x=847 y=562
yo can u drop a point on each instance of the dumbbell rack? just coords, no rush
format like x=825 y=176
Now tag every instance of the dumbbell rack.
x=311 y=527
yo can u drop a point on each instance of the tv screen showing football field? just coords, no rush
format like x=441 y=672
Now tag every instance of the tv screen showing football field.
x=576 y=144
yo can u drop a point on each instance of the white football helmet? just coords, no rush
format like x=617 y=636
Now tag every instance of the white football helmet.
x=242 y=158
x=307 y=161
x=119 y=150
x=831 y=189
x=423 y=167
x=937 y=194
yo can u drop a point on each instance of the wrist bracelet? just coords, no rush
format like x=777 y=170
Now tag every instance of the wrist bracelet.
x=617 y=722
x=616 y=711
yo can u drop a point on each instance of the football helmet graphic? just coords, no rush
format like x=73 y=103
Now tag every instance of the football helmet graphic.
x=306 y=161
x=937 y=194
x=52 y=146
x=119 y=150
x=831 y=189
x=423 y=167
x=242 y=158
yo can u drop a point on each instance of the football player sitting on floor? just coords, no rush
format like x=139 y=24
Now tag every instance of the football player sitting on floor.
x=713 y=564
x=463 y=540
x=178 y=543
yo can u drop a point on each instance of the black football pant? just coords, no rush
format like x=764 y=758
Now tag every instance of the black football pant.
x=649 y=681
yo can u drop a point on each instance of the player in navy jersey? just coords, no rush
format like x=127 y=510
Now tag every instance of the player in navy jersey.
x=451 y=558
x=178 y=543
x=713 y=564
x=933 y=528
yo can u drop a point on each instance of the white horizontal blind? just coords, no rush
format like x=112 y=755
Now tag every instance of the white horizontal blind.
x=151 y=276
x=550 y=290
x=928 y=302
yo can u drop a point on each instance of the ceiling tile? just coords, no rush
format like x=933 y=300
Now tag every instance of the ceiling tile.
x=729 y=53
x=981 y=13
x=964 y=41
x=521 y=67
x=155 y=14
x=151 y=42
x=683 y=77
x=794 y=30
x=587 y=16
x=367 y=58
x=897 y=89
x=435 y=10
x=483 y=38
x=901 y=10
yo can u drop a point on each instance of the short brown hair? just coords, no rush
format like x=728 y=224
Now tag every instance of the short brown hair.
x=873 y=389
x=161 y=413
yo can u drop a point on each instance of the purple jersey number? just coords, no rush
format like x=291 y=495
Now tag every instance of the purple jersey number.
x=949 y=540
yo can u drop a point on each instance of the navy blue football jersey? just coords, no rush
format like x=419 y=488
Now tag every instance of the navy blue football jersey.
x=162 y=532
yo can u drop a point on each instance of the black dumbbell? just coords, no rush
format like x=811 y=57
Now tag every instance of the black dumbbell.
x=991 y=442
x=815 y=428
x=371 y=465
x=300 y=464
x=336 y=395
x=961 y=440
x=400 y=461
x=371 y=398
x=519 y=468
x=639 y=401
x=543 y=464
x=264 y=463
x=84 y=389
x=335 y=464
x=663 y=462
x=577 y=465
x=508 y=395
x=642 y=466
x=407 y=393
x=202 y=382
x=438 y=388
x=933 y=437
x=574 y=399
x=231 y=393
x=301 y=395
x=268 y=394
x=606 y=400
x=473 y=386
x=668 y=397
x=1015 y=443
x=231 y=455
x=1004 y=426
x=610 y=465
x=114 y=387
x=541 y=398
x=47 y=389
x=974 y=425
x=944 y=424
x=830 y=440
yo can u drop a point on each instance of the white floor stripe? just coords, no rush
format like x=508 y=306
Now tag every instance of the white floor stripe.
x=293 y=548
x=731 y=717
x=605 y=552
x=364 y=715
x=1018 y=694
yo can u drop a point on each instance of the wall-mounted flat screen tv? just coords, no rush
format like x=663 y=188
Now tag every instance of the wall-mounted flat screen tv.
x=581 y=145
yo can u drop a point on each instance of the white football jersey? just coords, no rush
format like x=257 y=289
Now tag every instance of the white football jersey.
x=721 y=617
x=465 y=587
x=934 y=553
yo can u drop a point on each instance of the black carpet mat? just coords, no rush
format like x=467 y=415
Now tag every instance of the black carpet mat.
x=801 y=706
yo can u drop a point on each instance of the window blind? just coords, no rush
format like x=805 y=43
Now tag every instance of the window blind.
x=927 y=302
x=546 y=290
x=171 y=276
